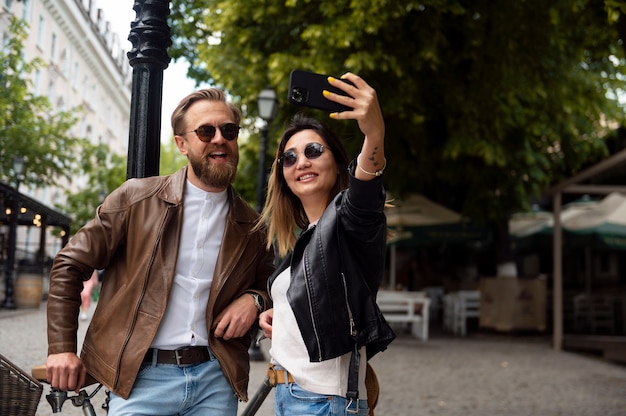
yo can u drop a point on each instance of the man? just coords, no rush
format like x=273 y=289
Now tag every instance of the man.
x=185 y=279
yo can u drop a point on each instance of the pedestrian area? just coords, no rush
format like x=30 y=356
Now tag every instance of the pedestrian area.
x=481 y=374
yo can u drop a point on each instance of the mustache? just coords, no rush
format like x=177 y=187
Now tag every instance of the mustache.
x=216 y=148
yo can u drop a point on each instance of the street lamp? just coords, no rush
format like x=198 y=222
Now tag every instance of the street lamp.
x=9 y=266
x=268 y=106
x=18 y=168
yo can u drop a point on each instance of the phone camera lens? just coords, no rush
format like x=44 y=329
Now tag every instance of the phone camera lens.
x=299 y=95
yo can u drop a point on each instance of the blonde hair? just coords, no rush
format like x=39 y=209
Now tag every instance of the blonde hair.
x=210 y=94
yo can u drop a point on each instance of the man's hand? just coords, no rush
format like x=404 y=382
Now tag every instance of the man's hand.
x=236 y=319
x=65 y=371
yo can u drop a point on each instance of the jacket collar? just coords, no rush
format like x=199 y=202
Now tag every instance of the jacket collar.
x=174 y=189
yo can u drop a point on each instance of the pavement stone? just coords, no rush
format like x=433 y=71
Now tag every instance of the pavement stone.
x=480 y=374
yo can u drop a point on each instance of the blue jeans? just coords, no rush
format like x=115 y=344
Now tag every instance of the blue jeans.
x=167 y=389
x=291 y=399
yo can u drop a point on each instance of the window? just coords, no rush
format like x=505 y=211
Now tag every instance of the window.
x=51 y=92
x=85 y=89
x=5 y=42
x=26 y=10
x=37 y=81
x=53 y=48
x=95 y=104
x=41 y=31
x=65 y=63
x=75 y=75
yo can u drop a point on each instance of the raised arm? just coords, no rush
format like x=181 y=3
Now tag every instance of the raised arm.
x=366 y=111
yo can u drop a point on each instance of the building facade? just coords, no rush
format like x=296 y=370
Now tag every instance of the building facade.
x=85 y=66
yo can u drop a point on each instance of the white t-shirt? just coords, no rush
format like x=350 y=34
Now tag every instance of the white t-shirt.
x=289 y=351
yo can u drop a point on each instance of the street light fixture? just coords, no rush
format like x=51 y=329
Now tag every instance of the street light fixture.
x=9 y=267
x=267 y=103
x=18 y=169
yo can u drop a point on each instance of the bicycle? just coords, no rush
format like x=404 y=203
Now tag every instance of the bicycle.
x=57 y=397
x=20 y=393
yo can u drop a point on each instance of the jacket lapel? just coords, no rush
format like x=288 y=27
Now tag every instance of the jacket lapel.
x=236 y=238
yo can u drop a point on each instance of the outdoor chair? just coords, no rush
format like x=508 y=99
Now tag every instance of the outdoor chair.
x=410 y=308
x=435 y=294
x=458 y=308
x=594 y=313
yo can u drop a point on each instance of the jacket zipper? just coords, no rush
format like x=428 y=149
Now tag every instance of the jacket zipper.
x=308 y=294
x=353 y=330
x=137 y=305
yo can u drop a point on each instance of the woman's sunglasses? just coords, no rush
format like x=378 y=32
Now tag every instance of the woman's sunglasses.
x=230 y=131
x=311 y=151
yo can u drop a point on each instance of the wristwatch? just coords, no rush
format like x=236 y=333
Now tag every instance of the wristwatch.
x=258 y=300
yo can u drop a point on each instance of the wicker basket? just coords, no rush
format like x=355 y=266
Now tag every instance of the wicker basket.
x=19 y=392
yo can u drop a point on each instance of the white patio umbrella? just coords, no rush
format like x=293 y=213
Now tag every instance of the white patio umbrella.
x=413 y=211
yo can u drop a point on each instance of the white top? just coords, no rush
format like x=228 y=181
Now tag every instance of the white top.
x=289 y=351
x=204 y=220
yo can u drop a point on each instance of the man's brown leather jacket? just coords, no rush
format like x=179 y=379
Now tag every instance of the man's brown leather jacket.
x=134 y=237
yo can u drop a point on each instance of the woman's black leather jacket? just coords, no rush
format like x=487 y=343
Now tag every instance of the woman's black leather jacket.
x=336 y=270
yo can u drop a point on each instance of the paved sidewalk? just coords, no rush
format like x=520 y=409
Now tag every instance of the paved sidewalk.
x=478 y=375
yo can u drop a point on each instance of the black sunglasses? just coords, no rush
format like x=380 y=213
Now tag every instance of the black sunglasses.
x=311 y=151
x=230 y=131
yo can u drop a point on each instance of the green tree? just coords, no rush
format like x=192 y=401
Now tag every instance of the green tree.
x=104 y=171
x=486 y=103
x=171 y=160
x=28 y=127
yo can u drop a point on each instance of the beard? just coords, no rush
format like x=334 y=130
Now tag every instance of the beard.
x=216 y=175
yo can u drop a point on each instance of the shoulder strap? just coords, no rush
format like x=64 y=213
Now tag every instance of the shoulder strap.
x=353 y=374
x=355 y=359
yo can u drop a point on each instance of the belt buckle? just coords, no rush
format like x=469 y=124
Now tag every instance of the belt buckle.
x=273 y=375
x=178 y=358
x=352 y=411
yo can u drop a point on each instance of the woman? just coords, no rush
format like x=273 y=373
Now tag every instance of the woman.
x=324 y=315
x=86 y=295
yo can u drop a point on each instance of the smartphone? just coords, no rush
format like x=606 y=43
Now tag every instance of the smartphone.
x=305 y=89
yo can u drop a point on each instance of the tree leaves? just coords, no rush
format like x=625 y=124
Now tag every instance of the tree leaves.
x=487 y=103
x=28 y=127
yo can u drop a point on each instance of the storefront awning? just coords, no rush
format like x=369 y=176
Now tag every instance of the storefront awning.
x=31 y=212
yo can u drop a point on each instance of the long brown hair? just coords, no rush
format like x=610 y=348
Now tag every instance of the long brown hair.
x=283 y=212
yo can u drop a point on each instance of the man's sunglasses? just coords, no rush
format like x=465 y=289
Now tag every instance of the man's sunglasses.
x=311 y=151
x=230 y=131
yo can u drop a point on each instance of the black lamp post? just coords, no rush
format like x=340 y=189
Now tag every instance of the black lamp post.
x=18 y=168
x=150 y=37
x=268 y=106
x=9 y=267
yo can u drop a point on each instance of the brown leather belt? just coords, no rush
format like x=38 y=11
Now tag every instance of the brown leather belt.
x=181 y=356
x=278 y=376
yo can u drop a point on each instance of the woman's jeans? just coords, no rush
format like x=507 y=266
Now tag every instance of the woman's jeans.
x=291 y=399
x=167 y=389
